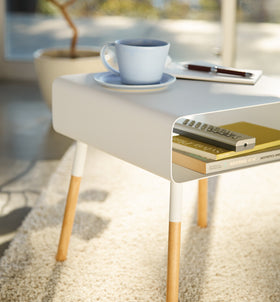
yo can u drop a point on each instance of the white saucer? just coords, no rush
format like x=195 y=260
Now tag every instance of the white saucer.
x=111 y=80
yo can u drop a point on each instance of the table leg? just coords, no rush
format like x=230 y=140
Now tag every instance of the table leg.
x=202 y=202
x=71 y=202
x=174 y=242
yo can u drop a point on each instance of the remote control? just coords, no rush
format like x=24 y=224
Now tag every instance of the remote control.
x=217 y=136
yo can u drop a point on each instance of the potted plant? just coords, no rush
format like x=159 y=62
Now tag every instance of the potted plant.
x=54 y=62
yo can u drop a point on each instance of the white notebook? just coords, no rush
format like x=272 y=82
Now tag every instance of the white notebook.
x=180 y=72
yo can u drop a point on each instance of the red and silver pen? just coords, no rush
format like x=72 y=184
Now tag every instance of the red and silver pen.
x=217 y=69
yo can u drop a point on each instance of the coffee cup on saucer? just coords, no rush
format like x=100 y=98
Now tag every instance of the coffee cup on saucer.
x=140 y=61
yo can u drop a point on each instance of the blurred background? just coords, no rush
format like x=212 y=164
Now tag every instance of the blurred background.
x=193 y=27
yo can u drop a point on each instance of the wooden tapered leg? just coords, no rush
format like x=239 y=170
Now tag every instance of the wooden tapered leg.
x=202 y=203
x=174 y=243
x=71 y=202
x=69 y=216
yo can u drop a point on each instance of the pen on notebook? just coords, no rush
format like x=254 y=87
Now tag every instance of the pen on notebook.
x=216 y=69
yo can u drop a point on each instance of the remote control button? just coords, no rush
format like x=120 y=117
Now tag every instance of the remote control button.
x=197 y=125
x=204 y=126
x=210 y=128
x=191 y=123
x=186 y=121
x=235 y=137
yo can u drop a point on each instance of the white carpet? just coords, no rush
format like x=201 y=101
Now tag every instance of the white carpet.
x=118 y=248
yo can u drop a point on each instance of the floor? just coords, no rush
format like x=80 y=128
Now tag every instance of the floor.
x=29 y=153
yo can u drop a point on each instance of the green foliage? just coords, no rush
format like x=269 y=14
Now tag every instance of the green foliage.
x=212 y=5
x=131 y=8
x=46 y=8
x=175 y=10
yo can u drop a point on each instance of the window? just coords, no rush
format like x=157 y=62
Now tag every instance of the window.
x=10 y=68
x=192 y=26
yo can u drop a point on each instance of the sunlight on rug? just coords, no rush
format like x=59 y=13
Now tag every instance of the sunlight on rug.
x=118 y=248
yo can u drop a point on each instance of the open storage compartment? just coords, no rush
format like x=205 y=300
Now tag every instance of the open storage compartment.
x=267 y=115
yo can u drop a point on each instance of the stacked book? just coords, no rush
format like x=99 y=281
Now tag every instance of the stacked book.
x=207 y=158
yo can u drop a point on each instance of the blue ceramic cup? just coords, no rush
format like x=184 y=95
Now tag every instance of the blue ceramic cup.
x=140 y=61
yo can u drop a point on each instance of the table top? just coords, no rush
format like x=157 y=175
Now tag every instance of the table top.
x=137 y=126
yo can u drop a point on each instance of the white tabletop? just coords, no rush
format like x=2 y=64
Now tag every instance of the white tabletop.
x=137 y=126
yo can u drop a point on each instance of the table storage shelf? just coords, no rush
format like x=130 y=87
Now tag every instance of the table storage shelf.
x=137 y=126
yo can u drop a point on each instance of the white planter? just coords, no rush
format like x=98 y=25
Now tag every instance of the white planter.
x=52 y=63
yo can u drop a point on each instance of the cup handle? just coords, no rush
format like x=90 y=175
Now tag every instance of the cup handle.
x=103 y=57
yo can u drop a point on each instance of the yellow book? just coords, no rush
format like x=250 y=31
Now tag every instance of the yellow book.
x=265 y=138
x=206 y=165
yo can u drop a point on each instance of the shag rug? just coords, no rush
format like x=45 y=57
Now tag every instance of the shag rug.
x=118 y=249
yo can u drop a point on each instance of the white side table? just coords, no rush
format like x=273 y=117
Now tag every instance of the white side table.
x=137 y=127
